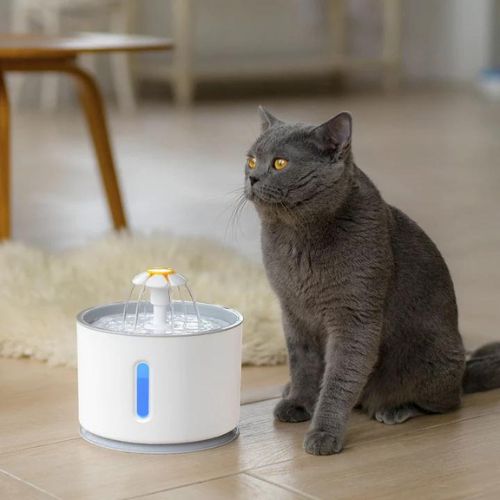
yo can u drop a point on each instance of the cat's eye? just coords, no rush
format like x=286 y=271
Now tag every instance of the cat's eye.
x=251 y=162
x=280 y=163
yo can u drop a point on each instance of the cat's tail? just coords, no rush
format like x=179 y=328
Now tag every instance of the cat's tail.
x=482 y=371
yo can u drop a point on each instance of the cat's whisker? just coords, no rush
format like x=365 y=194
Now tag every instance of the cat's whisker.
x=233 y=221
x=237 y=190
x=237 y=215
x=235 y=196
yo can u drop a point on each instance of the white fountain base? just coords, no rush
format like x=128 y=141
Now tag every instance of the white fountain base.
x=159 y=393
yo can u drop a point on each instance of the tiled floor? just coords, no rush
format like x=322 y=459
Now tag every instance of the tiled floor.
x=42 y=456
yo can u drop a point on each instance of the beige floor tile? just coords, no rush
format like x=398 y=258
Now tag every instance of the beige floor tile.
x=13 y=489
x=38 y=404
x=237 y=487
x=458 y=460
x=95 y=471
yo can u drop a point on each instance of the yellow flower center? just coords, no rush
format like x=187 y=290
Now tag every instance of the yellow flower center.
x=162 y=271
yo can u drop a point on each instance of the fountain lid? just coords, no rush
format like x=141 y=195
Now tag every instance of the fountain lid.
x=164 y=306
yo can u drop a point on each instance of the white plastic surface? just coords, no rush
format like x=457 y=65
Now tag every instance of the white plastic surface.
x=194 y=385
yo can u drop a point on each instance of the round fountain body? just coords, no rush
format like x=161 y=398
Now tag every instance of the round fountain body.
x=159 y=390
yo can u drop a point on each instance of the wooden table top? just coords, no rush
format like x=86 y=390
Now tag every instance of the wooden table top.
x=27 y=46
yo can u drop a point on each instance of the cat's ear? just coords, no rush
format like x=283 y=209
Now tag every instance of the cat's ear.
x=335 y=134
x=267 y=119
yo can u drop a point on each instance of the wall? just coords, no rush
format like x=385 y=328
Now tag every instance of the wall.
x=443 y=40
x=448 y=40
x=496 y=35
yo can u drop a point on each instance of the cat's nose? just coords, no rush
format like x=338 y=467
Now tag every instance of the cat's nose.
x=252 y=179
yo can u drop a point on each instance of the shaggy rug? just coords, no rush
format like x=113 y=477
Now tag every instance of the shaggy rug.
x=40 y=293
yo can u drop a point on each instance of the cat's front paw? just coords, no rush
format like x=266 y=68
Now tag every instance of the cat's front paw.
x=290 y=411
x=322 y=443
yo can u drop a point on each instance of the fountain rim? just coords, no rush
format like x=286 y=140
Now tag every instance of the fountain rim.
x=106 y=309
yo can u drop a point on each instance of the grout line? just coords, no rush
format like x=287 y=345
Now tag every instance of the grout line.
x=282 y=486
x=178 y=487
x=40 y=445
x=34 y=486
x=250 y=471
x=244 y=472
x=357 y=445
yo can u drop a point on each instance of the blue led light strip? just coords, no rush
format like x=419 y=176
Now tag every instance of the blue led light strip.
x=142 y=390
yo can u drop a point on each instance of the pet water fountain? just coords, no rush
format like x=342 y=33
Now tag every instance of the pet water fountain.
x=161 y=373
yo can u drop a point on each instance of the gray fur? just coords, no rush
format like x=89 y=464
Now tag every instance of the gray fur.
x=368 y=306
x=483 y=369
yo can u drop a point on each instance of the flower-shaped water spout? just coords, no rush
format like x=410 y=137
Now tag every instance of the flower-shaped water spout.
x=170 y=296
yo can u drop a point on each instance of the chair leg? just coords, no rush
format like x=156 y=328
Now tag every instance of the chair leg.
x=4 y=161
x=94 y=111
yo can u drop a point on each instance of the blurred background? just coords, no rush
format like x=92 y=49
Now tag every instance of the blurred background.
x=420 y=77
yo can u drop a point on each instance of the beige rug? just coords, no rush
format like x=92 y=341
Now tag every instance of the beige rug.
x=40 y=293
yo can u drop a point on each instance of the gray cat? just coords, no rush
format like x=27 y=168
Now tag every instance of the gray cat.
x=368 y=305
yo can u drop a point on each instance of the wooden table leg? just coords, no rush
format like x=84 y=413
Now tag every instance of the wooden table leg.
x=4 y=161
x=94 y=110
